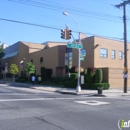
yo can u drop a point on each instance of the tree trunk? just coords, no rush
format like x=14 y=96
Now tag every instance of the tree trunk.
x=13 y=78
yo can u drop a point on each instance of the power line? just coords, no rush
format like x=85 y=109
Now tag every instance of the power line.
x=50 y=27
x=78 y=11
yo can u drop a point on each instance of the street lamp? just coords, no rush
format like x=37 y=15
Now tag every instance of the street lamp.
x=78 y=89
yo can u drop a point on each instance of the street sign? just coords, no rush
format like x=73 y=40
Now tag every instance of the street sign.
x=81 y=58
x=77 y=46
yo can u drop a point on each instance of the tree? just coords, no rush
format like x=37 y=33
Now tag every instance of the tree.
x=1 y=57
x=30 y=69
x=13 y=70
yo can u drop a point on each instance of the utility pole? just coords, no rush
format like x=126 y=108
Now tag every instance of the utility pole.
x=125 y=40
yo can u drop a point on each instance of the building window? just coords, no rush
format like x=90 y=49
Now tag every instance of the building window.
x=113 y=54
x=120 y=55
x=103 y=53
x=41 y=60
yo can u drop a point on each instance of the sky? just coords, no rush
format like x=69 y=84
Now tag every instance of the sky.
x=93 y=17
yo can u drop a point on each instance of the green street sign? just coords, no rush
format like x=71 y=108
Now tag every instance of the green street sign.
x=81 y=58
x=77 y=46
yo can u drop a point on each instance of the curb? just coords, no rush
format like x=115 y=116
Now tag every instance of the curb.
x=71 y=93
x=99 y=95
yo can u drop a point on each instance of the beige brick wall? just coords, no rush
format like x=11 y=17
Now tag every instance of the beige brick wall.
x=110 y=45
x=88 y=44
x=52 y=58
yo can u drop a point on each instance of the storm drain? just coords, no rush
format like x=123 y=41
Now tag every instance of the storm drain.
x=93 y=102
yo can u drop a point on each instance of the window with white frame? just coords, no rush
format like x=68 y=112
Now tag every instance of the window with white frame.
x=103 y=53
x=113 y=54
x=120 y=55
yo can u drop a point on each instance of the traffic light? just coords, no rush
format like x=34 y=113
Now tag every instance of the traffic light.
x=67 y=34
x=63 y=34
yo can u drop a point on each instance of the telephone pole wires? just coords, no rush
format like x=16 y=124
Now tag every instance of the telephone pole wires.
x=125 y=40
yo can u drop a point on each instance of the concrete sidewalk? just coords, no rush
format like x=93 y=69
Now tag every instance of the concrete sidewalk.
x=106 y=93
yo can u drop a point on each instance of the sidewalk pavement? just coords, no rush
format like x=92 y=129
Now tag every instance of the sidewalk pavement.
x=71 y=91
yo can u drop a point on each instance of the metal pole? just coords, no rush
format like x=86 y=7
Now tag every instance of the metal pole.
x=125 y=48
x=78 y=89
x=125 y=40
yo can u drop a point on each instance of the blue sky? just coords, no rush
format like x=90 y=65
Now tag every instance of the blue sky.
x=94 y=17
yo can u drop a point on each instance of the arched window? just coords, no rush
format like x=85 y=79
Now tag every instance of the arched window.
x=41 y=60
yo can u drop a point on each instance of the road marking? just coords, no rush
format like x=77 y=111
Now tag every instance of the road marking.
x=36 y=99
x=1 y=94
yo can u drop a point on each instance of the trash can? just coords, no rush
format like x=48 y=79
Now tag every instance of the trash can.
x=100 y=89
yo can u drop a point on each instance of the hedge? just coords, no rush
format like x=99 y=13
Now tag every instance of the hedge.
x=70 y=84
x=98 y=76
x=90 y=86
x=73 y=76
x=58 y=80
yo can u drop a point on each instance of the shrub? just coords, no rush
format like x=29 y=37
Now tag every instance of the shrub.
x=8 y=75
x=22 y=79
x=84 y=72
x=73 y=76
x=90 y=76
x=94 y=86
x=55 y=80
x=98 y=76
x=90 y=86
x=92 y=71
x=70 y=84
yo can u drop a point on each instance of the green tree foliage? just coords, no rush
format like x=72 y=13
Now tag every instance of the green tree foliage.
x=98 y=76
x=29 y=69
x=13 y=70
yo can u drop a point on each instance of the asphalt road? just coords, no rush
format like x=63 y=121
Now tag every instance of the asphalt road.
x=30 y=109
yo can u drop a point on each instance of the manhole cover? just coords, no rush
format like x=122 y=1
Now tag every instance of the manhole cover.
x=92 y=102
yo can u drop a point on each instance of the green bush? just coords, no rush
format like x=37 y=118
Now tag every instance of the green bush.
x=84 y=72
x=98 y=76
x=58 y=80
x=8 y=75
x=73 y=76
x=55 y=80
x=20 y=80
x=90 y=76
x=70 y=84
x=94 y=86
x=90 y=86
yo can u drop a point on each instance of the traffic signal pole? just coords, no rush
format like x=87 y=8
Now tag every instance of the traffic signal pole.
x=78 y=89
